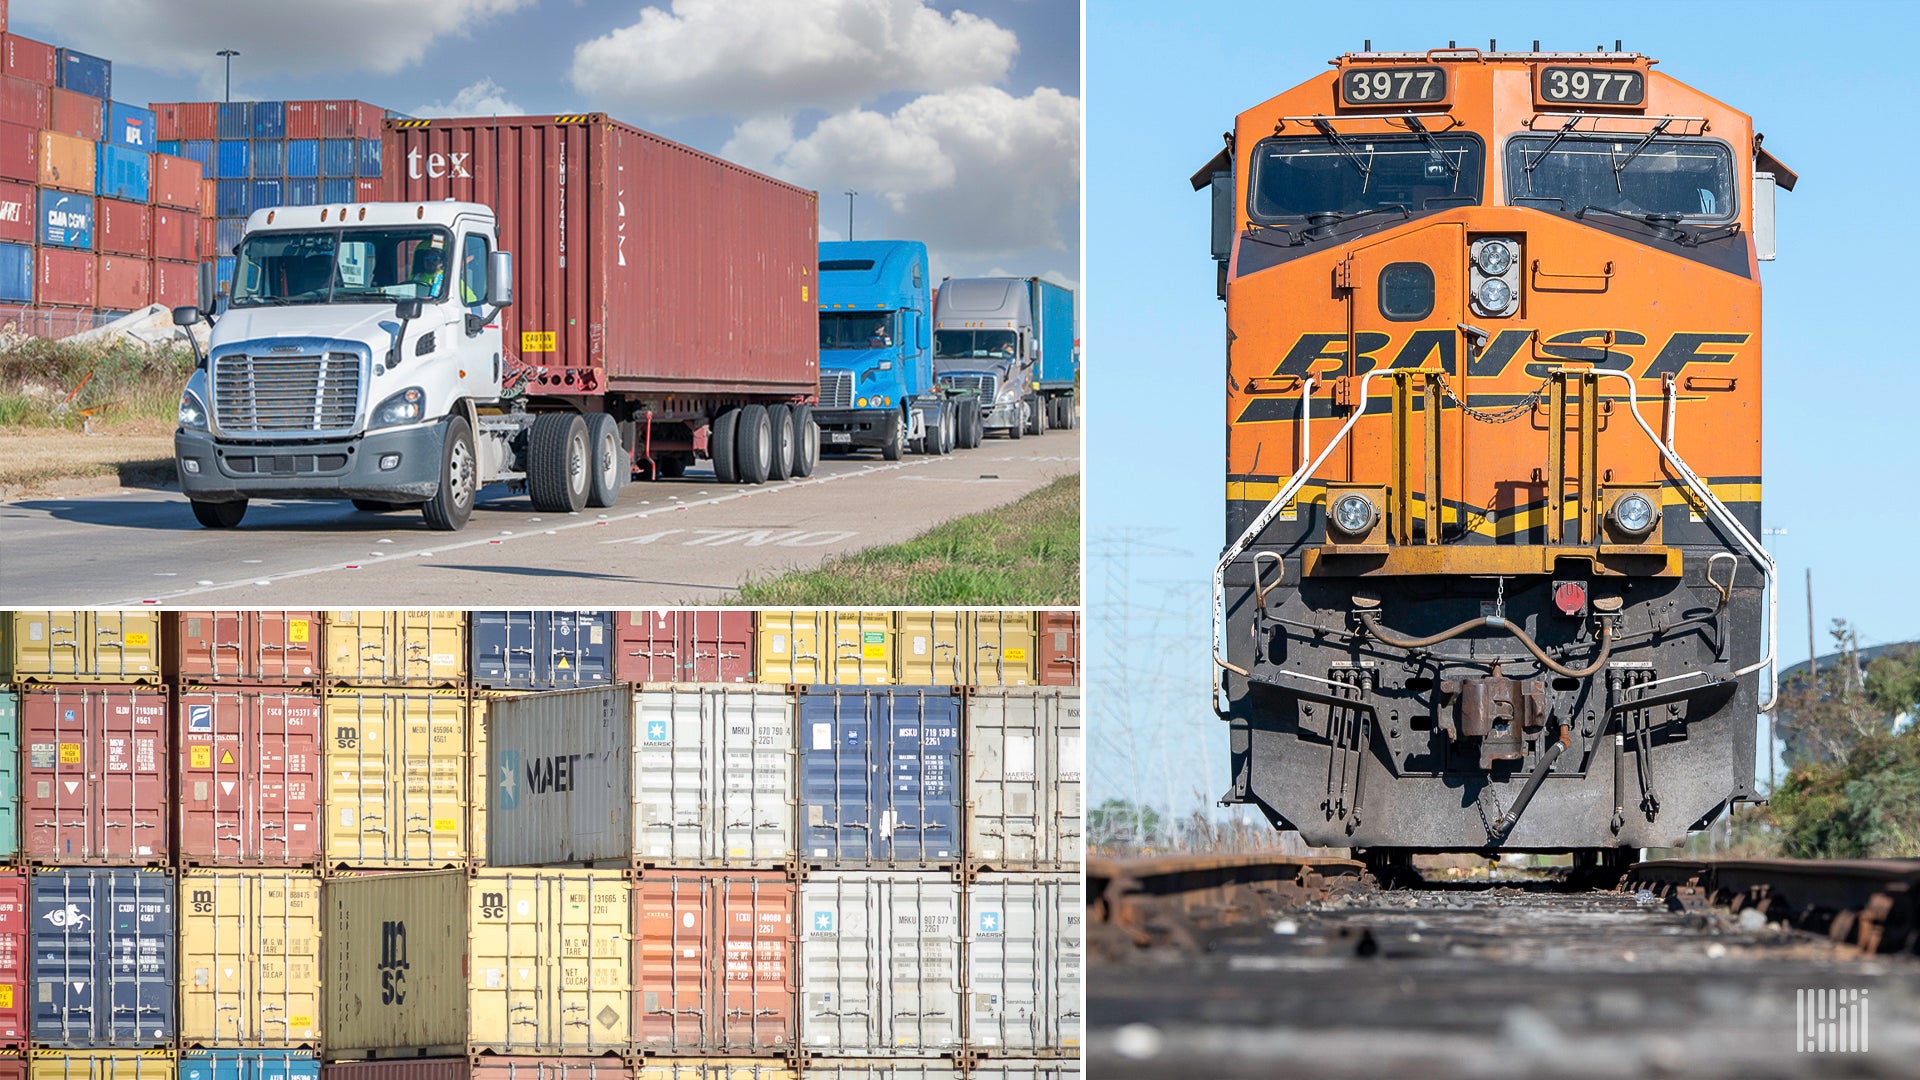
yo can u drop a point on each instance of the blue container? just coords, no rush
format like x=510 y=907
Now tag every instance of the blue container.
x=16 y=287
x=227 y=233
x=269 y=159
x=236 y=120
x=130 y=126
x=234 y=160
x=203 y=151
x=84 y=74
x=123 y=173
x=299 y=192
x=233 y=198
x=66 y=220
x=370 y=158
x=249 y=1065
x=303 y=157
x=269 y=119
x=871 y=755
x=266 y=193
x=103 y=958
x=339 y=157
x=170 y=147
x=223 y=274
x=542 y=650
x=336 y=191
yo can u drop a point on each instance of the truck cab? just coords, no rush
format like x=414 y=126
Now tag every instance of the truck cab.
x=984 y=345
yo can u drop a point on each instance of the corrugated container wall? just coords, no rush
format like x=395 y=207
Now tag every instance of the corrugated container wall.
x=1060 y=648
x=725 y=1068
x=123 y=173
x=250 y=958
x=176 y=236
x=1006 y=648
x=175 y=284
x=249 y=1065
x=880 y=963
x=277 y=648
x=66 y=220
x=73 y=113
x=713 y=963
x=799 y=647
x=303 y=158
x=269 y=119
x=517 y=1067
x=339 y=157
x=880 y=776
x=269 y=159
x=87 y=74
x=397 y=771
x=16 y=273
x=125 y=228
x=500 y=961
x=130 y=126
x=19 y=151
x=481 y=784
x=67 y=162
x=64 y=278
x=123 y=282
x=233 y=160
x=249 y=776
x=15 y=924
x=103 y=958
x=35 y=61
x=338 y=189
x=95 y=778
x=17 y=211
x=23 y=102
x=101 y=1065
x=386 y=648
x=1025 y=938
x=684 y=645
x=670 y=776
x=86 y=646
x=236 y=120
x=176 y=182
x=657 y=266
x=1024 y=762
x=542 y=650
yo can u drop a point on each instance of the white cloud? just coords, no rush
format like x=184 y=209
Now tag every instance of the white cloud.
x=484 y=98
x=977 y=173
x=760 y=57
x=293 y=38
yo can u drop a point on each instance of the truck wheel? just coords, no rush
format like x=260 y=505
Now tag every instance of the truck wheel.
x=971 y=430
x=720 y=440
x=219 y=515
x=930 y=438
x=780 y=419
x=806 y=447
x=559 y=463
x=612 y=465
x=1018 y=429
x=947 y=433
x=753 y=445
x=452 y=504
x=896 y=440
x=1034 y=422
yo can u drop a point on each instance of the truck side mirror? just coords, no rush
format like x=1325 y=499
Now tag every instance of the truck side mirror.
x=500 y=279
x=186 y=315
x=409 y=309
x=208 y=288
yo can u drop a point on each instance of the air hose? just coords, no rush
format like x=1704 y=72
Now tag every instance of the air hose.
x=1371 y=619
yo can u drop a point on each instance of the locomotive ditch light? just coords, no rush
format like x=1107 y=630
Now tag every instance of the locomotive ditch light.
x=1630 y=512
x=1495 y=296
x=1493 y=257
x=1354 y=516
x=1493 y=278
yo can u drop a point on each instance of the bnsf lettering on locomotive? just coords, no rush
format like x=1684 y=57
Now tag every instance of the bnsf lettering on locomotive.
x=393 y=962
x=1602 y=348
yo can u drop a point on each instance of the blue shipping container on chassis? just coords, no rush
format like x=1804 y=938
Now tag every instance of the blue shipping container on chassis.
x=102 y=944
x=542 y=650
x=880 y=776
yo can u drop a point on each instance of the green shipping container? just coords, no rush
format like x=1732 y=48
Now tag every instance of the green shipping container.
x=9 y=775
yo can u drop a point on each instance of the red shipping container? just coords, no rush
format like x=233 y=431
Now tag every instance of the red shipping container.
x=196 y=119
x=303 y=119
x=95 y=773
x=257 y=648
x=517 y=1067
x=3 y=15
x=369 y=120
x=14 y=916
x=72 y=113
x=63 y=278
x=713 y=962
x=23 y=102
x=122 y=228
x=175 y=284
x=209 y=197
x=34 y=61
x=366 y=190
x=249 y=774
x=17 y=213
x=124 y=282
x=683 y=273
x=19 y=152
x=166 y=120
x=337 y=119
x=209 y=238
x=683 y=645
x=176 y=233
x=1059 y=648
x=176 y=182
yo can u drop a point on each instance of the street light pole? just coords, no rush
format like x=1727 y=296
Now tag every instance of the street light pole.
x=850 y=196
x=229 y=54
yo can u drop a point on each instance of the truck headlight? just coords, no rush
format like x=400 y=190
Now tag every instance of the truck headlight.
x=405 y=407
x=1633 y=514
x=193 y=414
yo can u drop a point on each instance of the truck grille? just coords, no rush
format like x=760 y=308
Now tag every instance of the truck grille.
x=311 y=393
x=836 y=389
x=979 y=384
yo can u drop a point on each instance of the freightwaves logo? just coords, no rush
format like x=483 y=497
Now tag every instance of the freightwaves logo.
x=436 y=166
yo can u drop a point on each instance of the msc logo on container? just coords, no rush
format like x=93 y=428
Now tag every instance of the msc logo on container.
x=199 y=718
x=393 y=962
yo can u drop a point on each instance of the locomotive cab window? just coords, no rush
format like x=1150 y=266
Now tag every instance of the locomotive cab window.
x=1298 y=177
x=1687 y=178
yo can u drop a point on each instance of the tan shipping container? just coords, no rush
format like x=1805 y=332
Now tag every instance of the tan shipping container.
x=932 y=648
x=810 y=647
x=397 y=648
x=249 y=958
x=713 y=1069
x=506 y=1068
x=492 y=961
x=81 y=646
x=398 y=768
x=101 y=1065
x=1006 y=648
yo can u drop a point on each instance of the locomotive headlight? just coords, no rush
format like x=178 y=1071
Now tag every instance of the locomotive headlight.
x=1495 y=295
x=1494 y=257
x=1633 y=514
x=1353 y=514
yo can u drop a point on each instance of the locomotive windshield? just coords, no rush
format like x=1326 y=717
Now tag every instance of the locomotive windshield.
x=1683 y=178
x=1297 y=176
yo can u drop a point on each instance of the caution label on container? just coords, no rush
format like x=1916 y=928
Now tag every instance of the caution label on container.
x=873 y=652
x=1018 y=656
x=140 y=640
x=300 y=1021
x=6 y=995
x=444 y=825
x=201 y=757
x=536 y=341
x=874 y=637
x=297 y=631
x=226 y=757
x=69 y=753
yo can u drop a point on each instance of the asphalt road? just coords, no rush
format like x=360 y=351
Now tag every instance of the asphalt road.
x=683 y=541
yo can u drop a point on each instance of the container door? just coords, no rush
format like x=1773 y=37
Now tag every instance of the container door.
x=1059 y=648
x=754 y=931
x=550 y=961
x=63 y=942
x=720 y=646
x=503 y=648
x=382 y=648
x=577 y=649
x=840 y=975
x=1005 y=648
x=9 y=806
x=1070 y=799
x=862 y=648
x=647 y=646
x=932 y=648
x=48 y=643
x=670 y=752
x=397 y=770
x=921 y=940
x=751 y=735
x=675 y=965
x=1007 y=800
x=838 y=770
x=250 y=940
x=15 y=915
x=212 y=644
x=790 y=647
x=920 y=795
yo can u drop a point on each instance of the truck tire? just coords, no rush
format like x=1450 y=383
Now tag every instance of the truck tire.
x=1018 y=429
x=785 y=452
x=452 y=504
x=806 y=447
x=1036 y=421
x=753 y=445
x=612 y=464
x=559 y=463
x=948 y=423
x=896 y=440
x=971 y=432
x=726 y=469
x=219 y=515
x=933 y=435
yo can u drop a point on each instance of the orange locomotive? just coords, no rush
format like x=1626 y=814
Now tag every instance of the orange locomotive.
x=1493 y=456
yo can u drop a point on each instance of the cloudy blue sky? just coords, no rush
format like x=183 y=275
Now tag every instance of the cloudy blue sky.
x=958 y=122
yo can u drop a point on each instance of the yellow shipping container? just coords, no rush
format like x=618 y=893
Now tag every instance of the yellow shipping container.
x=713 y=1069
x=398 y=768
x=249 y=958
x=488 y=961
x=932 y=648
x=482 y=784
x=81 y=646
x=396 y=648
x=101 y=1065
x=1006 y=648
x=814 y=646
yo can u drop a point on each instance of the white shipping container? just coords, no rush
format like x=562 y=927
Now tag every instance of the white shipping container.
x=879 y=963
x=1025 y=938
x=1024 y=760
x=941 y=1069
x=693 y=775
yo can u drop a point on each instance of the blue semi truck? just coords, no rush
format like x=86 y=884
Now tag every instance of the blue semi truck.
x=877 y=389
x=1009 y=342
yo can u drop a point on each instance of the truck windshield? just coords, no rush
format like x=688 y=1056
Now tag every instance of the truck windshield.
x=344 y=266
x=1340 y=174
x=974 y=344
x=856 y=329
x=1685 y=177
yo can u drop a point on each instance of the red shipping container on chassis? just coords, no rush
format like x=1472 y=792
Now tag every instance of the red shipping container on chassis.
x=63 y=277
x=683 y=645
x=651 y=269
x=123 y=283
x=17 y=213
x=123 y=228
x=14 y=950
x=176 y=284
x=249 y=775
x=35 y=61
x=94 y=773
x=23 y=102
x=245 y=648
x=73 y=113
x=176 y=182
x=713 y=962
x=176 y=233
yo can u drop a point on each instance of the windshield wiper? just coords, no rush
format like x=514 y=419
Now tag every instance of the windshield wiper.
x=1433 y=144
x=265 y=301
x=1667 y=226
x=1327 y=219
x=1635 y=152
x=1346 y=148
x=1547 y=149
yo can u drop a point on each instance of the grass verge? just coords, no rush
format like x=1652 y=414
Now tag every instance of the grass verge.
x=53 y=393
x=1024 y=553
